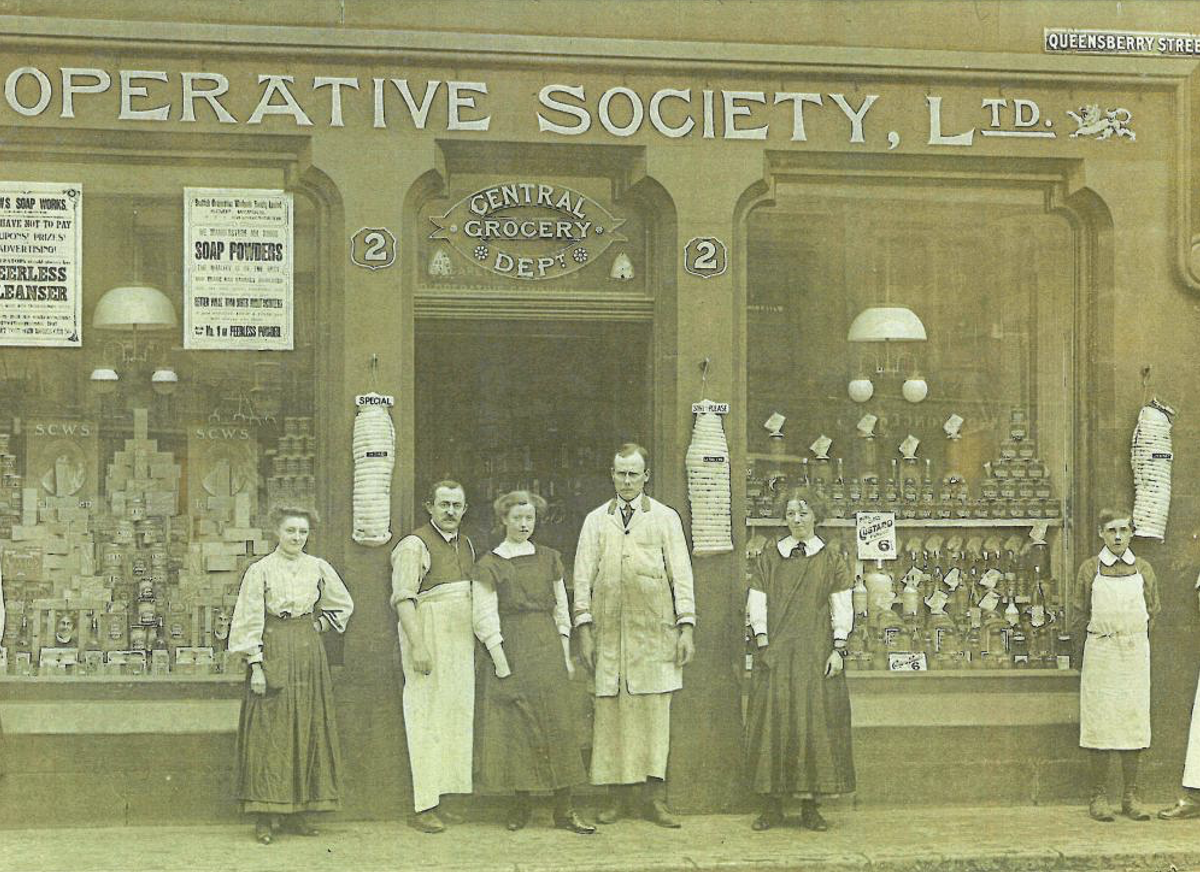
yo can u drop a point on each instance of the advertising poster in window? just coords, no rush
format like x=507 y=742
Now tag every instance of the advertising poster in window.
x=237 y=269
x=41 y=254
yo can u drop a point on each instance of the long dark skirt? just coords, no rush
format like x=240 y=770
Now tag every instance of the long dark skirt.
x=526 y=733
x=798 y=730
x=288 y=759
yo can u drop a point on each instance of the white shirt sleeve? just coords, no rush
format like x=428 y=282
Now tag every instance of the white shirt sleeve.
x=562 y=614
x=841 y=612
x=756 y=611
x=249 y=615
x=485 y=613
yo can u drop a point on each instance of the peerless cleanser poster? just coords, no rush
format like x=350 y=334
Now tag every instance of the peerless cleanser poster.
x=237 y=269
x=41 y=254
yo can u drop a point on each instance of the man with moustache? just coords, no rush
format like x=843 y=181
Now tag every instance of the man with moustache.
x=431 y=592
x=635 y=611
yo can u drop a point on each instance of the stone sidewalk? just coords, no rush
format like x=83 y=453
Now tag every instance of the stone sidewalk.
x=930 y=840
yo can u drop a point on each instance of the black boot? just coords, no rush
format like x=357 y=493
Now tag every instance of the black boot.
x=656 y=804
x=810 y=818
x=565 y=816
x=518 y=812
x=771 y=814
x=616 y=805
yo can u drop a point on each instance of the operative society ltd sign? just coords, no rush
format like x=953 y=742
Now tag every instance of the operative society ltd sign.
x=1068 y=40
x=528 y=230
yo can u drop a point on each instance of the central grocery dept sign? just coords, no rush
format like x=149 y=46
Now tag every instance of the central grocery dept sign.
x=528 y=230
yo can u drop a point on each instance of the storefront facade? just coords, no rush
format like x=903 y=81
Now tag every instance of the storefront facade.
x=588 y=236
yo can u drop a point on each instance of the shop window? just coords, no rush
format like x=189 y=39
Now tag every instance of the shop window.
x=918 y=344
x=138 y=476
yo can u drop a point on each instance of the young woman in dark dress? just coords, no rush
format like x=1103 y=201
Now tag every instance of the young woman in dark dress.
x=798 y=726
x=526 y=737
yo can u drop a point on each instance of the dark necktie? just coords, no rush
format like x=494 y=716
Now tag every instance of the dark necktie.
x=800 y=548
x=626 y=513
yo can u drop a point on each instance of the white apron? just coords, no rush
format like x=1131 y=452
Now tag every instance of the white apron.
x=439 y=708
x=1114 y=687
x=1191 y=769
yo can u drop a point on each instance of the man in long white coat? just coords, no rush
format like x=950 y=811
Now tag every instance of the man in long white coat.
x=635 y=610
x=1188 y=805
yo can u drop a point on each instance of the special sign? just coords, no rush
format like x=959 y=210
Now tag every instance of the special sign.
x=527 y=230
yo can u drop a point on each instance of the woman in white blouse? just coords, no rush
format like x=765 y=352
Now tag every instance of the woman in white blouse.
x=288 y=760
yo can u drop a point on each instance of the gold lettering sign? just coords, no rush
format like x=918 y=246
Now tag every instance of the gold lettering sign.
x=527 y=230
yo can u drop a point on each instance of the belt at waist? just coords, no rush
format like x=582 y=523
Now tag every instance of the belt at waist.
x=287 y=616
x=445 y=590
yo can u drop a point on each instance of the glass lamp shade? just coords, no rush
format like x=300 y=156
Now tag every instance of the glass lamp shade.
x=886 y=324
x=104 y=380
x=134 y=307
x=164 y=381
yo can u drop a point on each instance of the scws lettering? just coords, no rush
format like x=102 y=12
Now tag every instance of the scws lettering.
x=222 y=433
x=69 y=429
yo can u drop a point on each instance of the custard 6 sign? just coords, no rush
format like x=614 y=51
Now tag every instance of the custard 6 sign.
x=876 y=535
x=527 y=230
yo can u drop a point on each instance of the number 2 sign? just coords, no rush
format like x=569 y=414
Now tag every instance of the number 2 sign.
x=373 y=248
x=705 y=256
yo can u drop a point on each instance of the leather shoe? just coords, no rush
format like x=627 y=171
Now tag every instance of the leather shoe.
x=1181 y=810
x=573 y=822
x=656 y=813
x=766 y=820
x=518 y=817
x=1100 y=810
x=427 y=822
x=811 y=819
x=300 y=825
x=262 y=832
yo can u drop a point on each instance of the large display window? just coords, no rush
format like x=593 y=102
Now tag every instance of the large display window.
x=910 y=351
x=137 y=475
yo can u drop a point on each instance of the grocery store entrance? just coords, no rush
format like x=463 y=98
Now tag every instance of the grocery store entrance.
x=537 y=405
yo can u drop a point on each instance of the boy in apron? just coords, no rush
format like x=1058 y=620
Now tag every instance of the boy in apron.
x=1115 y=601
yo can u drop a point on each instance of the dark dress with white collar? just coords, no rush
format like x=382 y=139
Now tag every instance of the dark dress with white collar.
x=527 y=725
x=798 y=724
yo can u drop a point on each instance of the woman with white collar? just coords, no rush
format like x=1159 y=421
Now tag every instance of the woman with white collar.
x=1114 y=603
x=798 y=726
x=526 y=732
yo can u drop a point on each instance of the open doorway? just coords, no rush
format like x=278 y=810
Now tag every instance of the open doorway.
x=536 y=405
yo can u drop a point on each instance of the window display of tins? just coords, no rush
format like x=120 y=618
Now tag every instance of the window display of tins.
x=136 y=576
x=1014 y=485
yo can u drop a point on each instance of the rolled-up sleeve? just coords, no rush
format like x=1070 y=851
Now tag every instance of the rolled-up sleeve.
x=410 y=562
x=679 y=568
x=249 y=615
x=335 y=604
x=587 y=555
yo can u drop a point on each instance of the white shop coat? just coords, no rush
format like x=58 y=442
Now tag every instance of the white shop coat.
x=635 y=586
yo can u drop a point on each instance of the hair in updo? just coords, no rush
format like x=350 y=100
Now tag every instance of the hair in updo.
x=804 y=494
x=279 y=513
x=505 y=503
